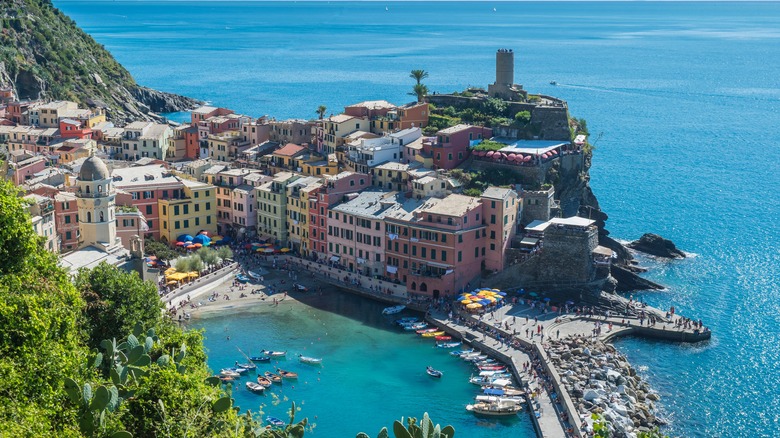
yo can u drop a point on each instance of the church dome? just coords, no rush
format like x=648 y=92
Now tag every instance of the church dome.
x=94 y=169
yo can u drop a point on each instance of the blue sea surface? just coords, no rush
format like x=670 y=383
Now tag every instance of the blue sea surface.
x=682 y=100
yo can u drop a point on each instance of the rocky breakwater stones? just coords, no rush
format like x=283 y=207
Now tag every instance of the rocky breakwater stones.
x=600 y=380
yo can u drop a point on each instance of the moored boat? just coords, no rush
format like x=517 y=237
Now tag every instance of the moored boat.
x=247 y=366
x=426 y=330
x=460 y=353
x=229 y=373
x=415 y=326
x=275 y=378
x=500 y=408
x=393 y=310
x=287 y=374
x=310 y=360
x=273 y=421
x=444 y=338
x=254 y=275
x=448 y=344
x=492 y=368
x=254 y=387
x=260 y=359
x=264 y=381
x=433 y=372
x=433 y=334
x=407 y=320
x=274 y=353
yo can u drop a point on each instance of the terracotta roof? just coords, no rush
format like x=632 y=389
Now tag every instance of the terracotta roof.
x=289 y=150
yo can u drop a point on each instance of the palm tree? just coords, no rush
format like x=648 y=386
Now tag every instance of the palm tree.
x=418 y=75
x=321 y=111
x=419 y=90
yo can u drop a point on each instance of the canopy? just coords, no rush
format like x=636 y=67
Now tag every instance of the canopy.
x=170 y=271
x=179 y=243
x=171 y=282
x=179 y=276
x=569 y=303
x=198 y=245
x=285 y=250
x=184 y=238
x=490 y=153
x=473 y=306
x=465 y=301
x=268 y=250
x=484 y=301
x=193 y=274
x=547 y=299
x=494 y=391
x=202 y=239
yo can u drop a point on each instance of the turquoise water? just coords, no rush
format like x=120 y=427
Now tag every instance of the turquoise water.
x=372 y=372
x=683 y=101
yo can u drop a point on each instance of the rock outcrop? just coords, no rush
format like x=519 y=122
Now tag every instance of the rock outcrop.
x=656 y=245
x=46 y=56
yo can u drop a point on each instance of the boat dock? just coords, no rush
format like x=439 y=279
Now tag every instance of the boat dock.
x=545 y=415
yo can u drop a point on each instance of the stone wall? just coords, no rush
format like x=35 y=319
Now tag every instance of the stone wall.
x=537 y=205
x=567 y=254
x=526 y=175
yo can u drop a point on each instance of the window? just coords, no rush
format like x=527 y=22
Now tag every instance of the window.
x=492 y=218
x=208 y=220
x=460 y=256
x=186 y=209
x=492 y=246
x=414 y=250
x=165 y=225
x=68 y=235
x=444 y=256
x=176 y=211
x=177 y=225
x=151 y=224
x=476 y=252
x=483 y=251
x=67 y=218
x=423 y=252
x=197 y=207
x=208 y=206
x=186 y=223
x=148 y=209
x=433 y=254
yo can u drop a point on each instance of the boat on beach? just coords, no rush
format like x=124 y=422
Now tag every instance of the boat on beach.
x=254 y=387
x=433 y=372
x=274 y=353
x=254 y=275
x=275 y=378
x=287 y=374
x=393 y=309
x=242 y=278
x=273 y=421
x=310 y=360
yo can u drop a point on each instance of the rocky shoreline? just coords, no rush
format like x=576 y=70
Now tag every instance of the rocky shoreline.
x=601 y=381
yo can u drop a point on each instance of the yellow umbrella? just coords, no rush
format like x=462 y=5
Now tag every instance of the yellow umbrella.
x=171 y=282
x=170 y=271
x=193 y=274
x=285 y=250
x=260 y=249
x=466 y=302
x=473 y=305
x=491 y=299
x=268 y=250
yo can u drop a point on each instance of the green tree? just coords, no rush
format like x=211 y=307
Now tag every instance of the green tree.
x=418 y=75
x=115 y=301
x=183 y=264
x=224 y=252
x=419 y=90
x=159 y=250
x=208 y=256
x=523 y=117
x=321 y=111
x=40 y=330
x=655 y=433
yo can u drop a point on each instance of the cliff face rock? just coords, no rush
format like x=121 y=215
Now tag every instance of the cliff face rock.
x=44 y=55
x=656 y=245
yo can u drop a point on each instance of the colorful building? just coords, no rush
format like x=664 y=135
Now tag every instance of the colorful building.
x=298 y=212
x=337 y=128
x=146 y=139
x=272 y=207
x=235 y=201
x=145 y=186
x=452 y=144
x=42 y=211
x=190 y=210
x=501 y=216
x=392 y=176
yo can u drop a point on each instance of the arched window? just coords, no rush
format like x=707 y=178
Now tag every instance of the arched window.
x=423 y=287
x=101 y=217
x=89 y=217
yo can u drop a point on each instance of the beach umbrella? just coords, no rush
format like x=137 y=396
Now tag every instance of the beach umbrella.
x=503 y=294
x=285 y=250
x=533 y=294
x=259 y=249
x=569 y=303
x=184 y=238
x=465 y=301
x=189 y=247
x=193 y=274
x=179 y=243
x=547 y=300
x=473 y=306
x=484 y=301
x=198 y=245
x=268 y=250
x=527 y=158
x=490 y=153
x=202 y=239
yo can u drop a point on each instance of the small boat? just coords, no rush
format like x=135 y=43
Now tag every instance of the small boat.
x=426 y=330
x=432 y=334
x=492 y=368
x=477 y=358
x=254 y=275
x=487 y=361
x=275 y=378
x=247 y=366
x=242 y=278
x=407 y=320
x=461 y=352
x=501 y=408
x=509 y=391
x=416 y=326
x=553 y=83
x=264 y=381
x=433 y=373
x=260 y=359
x=444 y=338
x=239 y=370
x=310 y=360
x=229 y=373
x=471 y=354
x=225 y=379
x=393 y=310
x=254 y=387
x=494 y=373
x=448 y=344
x=287 y=374
x=273 y=421
x=274 y=353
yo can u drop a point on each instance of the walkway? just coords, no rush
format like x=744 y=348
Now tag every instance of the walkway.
x=546 y=412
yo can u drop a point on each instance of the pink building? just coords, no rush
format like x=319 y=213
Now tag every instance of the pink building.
x=437 y=249
x=145 y=185
x=501 y=207
x=452 y=144
x=129 y=223
x=25 y=168
x=235 y=202
x=356 y=231
x=65 y=215
x=332 y=192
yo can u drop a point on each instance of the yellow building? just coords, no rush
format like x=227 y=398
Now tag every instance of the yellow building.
x=337 y=128
x=392 y=176
x=298 y=212
x=318 y=167
x=226 y=146
x=272 y=207
x=190 y=214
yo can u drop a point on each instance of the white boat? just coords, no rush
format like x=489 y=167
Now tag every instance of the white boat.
x=229 y=373
x=433 y=372
x=310 y=360
x=449 y=344
x=461 y=352
x=478 y=358
x=254 y=275
x=493 y=373
x=407 y=320
x=393 y=310
x=254 y=387
x=274 y=353
x=499 y=408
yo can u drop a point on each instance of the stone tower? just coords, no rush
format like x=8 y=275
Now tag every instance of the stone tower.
x=505 y=67
x=96 y=205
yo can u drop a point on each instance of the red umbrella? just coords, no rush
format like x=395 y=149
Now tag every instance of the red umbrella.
x=555 y=152
x=496 y=156
x=511 y=157
x=179 y=243
x=490 y=153
x=527 y=158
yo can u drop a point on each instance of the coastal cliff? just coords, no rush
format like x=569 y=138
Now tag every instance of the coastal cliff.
x=45 y=55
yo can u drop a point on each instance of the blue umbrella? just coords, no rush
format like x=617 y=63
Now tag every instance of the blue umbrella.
x=503 y=294
x=202 y=239
x=546 y=299
x=521 y=291
x=484 y=302
x=185 y=238
x=569 y=303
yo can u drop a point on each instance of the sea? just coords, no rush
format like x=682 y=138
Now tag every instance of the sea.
x=682 y=100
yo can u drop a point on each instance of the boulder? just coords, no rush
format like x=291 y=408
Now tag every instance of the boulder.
x=656 y=245
x=590 y=395
x=652 y=396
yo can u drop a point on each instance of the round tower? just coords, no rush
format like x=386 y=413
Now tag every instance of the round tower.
x=505 y=67
x=96 y=204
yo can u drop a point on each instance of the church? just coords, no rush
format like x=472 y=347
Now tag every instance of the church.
x=98 y=240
